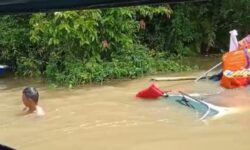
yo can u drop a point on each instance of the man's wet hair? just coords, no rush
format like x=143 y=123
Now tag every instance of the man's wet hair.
x=32 y=93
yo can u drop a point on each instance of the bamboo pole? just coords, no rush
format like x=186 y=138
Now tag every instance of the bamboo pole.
x=206 y=73
x=174 y=78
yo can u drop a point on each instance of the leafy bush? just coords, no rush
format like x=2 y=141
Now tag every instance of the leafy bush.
x=127 y=64
x=76 y=47
x=92 y=46
x=14 y=36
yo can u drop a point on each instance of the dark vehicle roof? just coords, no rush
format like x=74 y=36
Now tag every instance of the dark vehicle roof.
x=22 y=6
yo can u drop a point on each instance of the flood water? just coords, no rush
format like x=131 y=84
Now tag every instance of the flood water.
x=109 y=117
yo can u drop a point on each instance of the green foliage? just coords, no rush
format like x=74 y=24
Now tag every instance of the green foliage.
x=151 y=12
x=92 y=46
x=197 y=27
x=163 y=62
x=184 y=34
x=232 y=14
x=13 y=34
x=68 y=33
x=29 y=67
x=77 y=47
x=127 y=64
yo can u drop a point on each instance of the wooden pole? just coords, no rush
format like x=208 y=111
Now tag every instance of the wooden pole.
x=174 y=78
x=206 y=73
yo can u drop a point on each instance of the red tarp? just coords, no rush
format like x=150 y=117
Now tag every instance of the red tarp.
x=152 y=92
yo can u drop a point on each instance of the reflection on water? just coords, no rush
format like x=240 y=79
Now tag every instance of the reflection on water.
x=110 y=117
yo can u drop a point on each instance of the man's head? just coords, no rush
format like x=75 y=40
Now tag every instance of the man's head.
x=30 y=96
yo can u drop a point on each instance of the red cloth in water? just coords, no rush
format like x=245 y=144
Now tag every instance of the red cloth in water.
x=152 y=92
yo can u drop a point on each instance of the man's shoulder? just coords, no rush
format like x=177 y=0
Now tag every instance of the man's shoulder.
x=39 y=111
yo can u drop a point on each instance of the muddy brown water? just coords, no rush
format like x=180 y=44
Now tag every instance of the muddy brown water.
x=109 y=117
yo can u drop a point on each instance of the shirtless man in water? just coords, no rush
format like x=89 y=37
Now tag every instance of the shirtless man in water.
x=30 y=100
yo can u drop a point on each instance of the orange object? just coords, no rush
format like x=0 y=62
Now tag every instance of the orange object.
x=235 y=69
x=235 y=66
x=235 y=60
x=239 y=78
x=234 y=82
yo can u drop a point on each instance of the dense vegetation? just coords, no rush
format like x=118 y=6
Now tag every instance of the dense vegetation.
x=76 y=47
